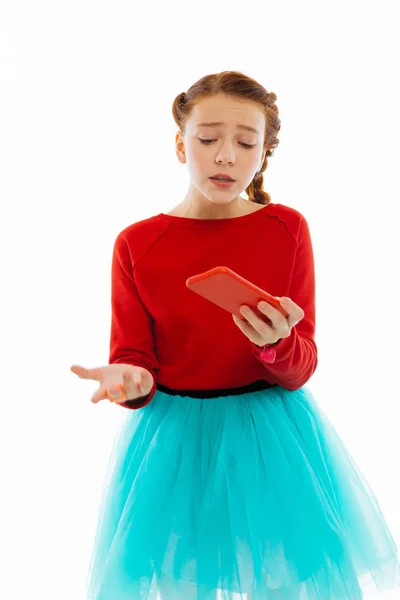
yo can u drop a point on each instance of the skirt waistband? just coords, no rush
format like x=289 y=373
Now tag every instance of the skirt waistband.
x=260 y=384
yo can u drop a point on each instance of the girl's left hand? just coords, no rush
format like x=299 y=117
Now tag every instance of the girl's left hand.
x=259 y=331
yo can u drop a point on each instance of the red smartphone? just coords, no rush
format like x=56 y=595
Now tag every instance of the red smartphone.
x=230 y=291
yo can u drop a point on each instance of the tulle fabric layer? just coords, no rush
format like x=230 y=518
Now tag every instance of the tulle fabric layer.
x=241 y=497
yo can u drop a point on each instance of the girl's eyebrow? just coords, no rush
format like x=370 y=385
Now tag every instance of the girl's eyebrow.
x=217 y=123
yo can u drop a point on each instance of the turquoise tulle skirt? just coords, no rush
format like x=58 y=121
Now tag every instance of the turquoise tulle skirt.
x=251 y=496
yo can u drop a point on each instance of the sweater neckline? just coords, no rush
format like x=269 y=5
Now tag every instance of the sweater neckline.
x=213 y=223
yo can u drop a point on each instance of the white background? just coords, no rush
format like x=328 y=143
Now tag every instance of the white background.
x=88 y=147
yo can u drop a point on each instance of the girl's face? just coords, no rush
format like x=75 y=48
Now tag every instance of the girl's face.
x=233 y=149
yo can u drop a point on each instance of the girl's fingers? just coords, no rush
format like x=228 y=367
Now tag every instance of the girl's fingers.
x=78 y=370
x=86 y=373
x=131 y=383
x=103 y=392
x=137 y=380
x=115 y=391
x=131 y=386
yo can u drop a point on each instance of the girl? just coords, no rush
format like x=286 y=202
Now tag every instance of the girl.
x=226 y=479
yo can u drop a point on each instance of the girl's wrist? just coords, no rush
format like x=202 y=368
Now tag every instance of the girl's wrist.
x=269 y=345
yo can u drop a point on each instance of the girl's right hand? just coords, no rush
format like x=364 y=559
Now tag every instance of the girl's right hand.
x=136 y=381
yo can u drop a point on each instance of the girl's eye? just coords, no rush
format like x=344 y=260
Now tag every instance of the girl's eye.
x=209 y=141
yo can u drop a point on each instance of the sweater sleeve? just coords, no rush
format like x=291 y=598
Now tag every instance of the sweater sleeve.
x=131 y=337
x=296 y=356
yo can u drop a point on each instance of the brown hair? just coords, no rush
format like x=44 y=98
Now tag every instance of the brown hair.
x=236 y=85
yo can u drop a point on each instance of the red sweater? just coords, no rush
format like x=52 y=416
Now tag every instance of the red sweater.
x=186 y=341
